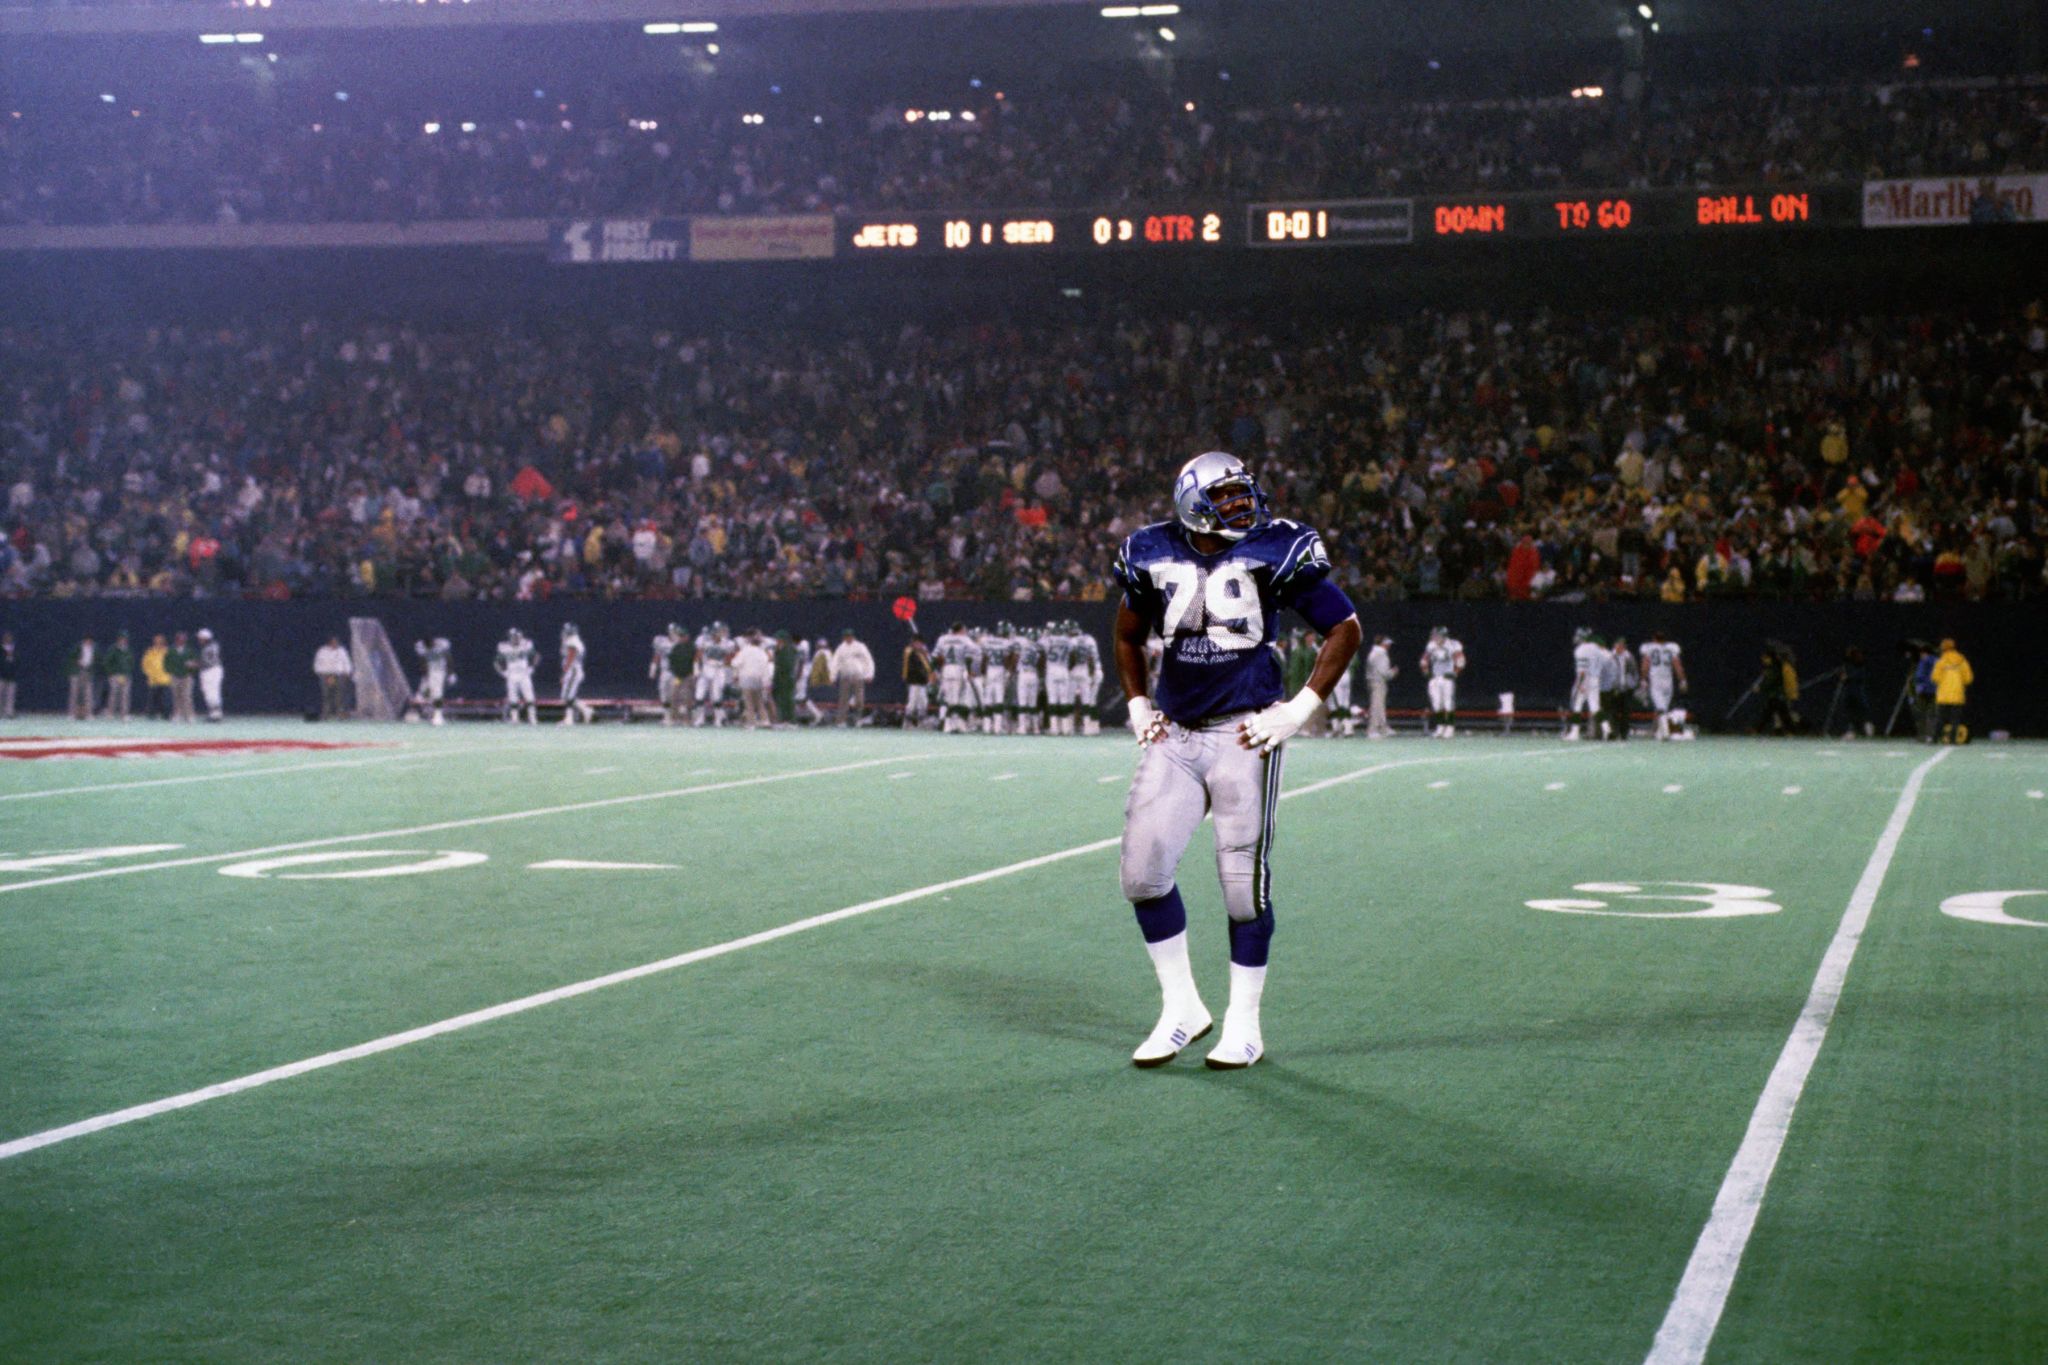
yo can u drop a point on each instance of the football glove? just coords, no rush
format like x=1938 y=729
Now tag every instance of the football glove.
x=1146 y=722
x=1267 y=730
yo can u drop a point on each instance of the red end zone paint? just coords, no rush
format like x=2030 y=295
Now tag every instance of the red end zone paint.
x=48 y=746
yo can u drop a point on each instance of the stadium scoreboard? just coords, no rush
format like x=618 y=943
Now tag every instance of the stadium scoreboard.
x=1031 y=231
x=1189 y=230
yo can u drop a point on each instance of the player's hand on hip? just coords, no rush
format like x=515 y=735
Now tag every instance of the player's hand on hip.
x=1146 y=722
x=1264 y=731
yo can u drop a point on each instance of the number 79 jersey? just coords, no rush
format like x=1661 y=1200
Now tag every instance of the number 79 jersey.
x=1218 y=614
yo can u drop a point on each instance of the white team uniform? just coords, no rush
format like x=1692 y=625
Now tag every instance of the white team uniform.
x=572 y=668
x=572 y=679
x=667 y=688
x=1441 y=660
x=1586 y=659
x=1028 y=655
x=1059 y=677
x=1086 y=677
x=714 y=674
x=515 y=665
x=995 y=681
x=211 y=675
x=434 y=681
x=958 y=656
x=1658 y=661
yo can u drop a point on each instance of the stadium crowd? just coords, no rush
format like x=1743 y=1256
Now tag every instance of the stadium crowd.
x=1762 y=451
x=106 y=164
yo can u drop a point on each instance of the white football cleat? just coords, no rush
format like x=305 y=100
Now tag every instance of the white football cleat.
x=1176 y=1029
x=1239 y=1048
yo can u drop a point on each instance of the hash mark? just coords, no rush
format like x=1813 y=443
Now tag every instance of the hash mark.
x=1002 y=777
x=593 y=772
x=1553 y=786
x=898 y=777
x=1793 y=791
x=1105 y=781
x=2036 y=796
x=1673 y=789
x=1439 y=785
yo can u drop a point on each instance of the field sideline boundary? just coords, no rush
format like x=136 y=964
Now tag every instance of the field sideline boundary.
x=391 y=1042
x=1696 y=1307
x=466 y=822
x=411 y=756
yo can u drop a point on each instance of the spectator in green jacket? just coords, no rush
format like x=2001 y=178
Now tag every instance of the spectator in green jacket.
x=784 y=686
x=181 y=663
x=117 y=666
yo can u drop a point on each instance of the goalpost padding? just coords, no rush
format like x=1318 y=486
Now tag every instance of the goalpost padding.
x=381 y=688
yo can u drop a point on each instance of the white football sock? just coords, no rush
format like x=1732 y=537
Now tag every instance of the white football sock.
x=1247 y=988
x=1176 y=977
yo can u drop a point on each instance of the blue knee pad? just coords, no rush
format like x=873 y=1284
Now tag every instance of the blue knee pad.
x=1250 y=939
x=1161 y=917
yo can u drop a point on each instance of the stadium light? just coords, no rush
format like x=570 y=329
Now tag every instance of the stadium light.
x=106 y=98
x=248 y=37
x=430 y=128
x=1167 y=33
x=211 y=39
x=1645 y=11
x=667 y=29
x=1158 y=11
x=1121 y=12
x=712 y=48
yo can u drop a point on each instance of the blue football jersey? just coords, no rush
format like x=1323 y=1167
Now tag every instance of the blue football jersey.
x=1219 y=614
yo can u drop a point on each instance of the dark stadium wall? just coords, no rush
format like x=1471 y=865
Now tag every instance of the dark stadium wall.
x=1522 y=648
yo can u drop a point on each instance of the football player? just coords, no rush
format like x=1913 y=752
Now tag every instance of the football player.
x=667 y=686
x=1212 y=582
x=514 y=663
x=958 y=656
x=995 y=679
x=1085 y=670
x=1443 y=659
x=715 y=649
x=1058 y=648
x=1662 y=668
x=211 y=673
x=1586 y=666
x=572 y=675
x=1025 y=650
x=434 y=679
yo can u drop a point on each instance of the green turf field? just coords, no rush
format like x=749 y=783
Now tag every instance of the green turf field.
x=1483 y=1131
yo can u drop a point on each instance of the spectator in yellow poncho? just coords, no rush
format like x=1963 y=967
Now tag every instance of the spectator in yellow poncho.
x=1952 y=679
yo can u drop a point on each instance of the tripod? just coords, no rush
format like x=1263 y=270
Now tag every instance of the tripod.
x=1905 y=698
x=1748 y=692
x=1841 y=677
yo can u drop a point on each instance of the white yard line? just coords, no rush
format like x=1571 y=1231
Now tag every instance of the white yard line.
x=221 y=777
x=469 y=822
x=390 y=1042
x=1703 y=1291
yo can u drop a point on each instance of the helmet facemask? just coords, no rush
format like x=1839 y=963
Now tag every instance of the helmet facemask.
x=1216 y=495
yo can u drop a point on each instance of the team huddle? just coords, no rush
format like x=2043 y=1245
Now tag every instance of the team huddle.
x=1011 y=680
